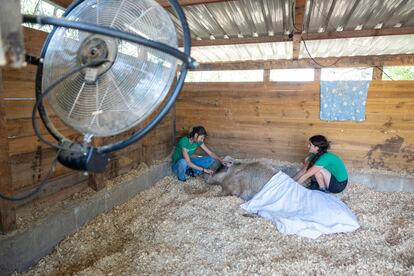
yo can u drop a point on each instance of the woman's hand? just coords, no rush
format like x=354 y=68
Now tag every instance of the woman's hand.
x=209 y=171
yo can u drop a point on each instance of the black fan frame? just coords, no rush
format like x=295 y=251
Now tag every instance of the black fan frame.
x=82 y=157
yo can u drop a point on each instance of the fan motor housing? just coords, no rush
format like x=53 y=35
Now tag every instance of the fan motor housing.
x=97 y=48
x=82 y=158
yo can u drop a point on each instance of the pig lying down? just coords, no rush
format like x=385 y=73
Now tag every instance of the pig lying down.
x=242 y=179
x=274 y=195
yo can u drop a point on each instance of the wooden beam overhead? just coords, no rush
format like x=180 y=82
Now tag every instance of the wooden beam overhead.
x=357 y=61
x=298 y=27
x=166 y=4
x=244 y=40
x=163 y=3
x=360 y=33
x=62 y=3
x=305 y=36
x=299 y=15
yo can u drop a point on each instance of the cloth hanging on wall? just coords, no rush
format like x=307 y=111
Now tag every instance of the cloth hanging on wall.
x=343 y=100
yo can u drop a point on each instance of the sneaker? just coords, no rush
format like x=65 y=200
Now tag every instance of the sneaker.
x=190 y=172
x=181 y=180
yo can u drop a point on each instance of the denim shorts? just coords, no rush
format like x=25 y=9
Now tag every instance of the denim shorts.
x=334 y=185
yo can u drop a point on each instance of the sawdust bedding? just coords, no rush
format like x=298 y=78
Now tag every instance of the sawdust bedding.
x=35 y=212
x=186 y=229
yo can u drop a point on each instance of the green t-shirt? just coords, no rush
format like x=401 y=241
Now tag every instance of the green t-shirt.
x=184 y=143
x=333 y=164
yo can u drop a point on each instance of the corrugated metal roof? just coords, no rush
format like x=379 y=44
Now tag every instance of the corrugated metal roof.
x=257 y=18
x=240 y=18
x=242 y=52
x=250 y=18
x=359 y=46
x=337 y=15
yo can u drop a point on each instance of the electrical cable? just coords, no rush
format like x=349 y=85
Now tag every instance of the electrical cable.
x=47 y=91
x=321 y=65
x=384 y=72
x=37 y=189
x=304 y=43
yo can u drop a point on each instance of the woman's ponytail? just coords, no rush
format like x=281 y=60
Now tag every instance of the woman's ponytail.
x=323 y=145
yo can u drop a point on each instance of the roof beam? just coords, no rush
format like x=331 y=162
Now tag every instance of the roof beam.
x=305 y=36
x=357 y=61
x=359 y=33
x=163 y=3
x=244 y=40
x=298 y=26
x=166 y=4
x=62 y=3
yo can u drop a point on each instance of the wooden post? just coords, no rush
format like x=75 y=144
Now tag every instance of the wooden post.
x=266 y=75
x=97 y=181
x=297 y=35
x=318 y=74
x=377 y=73
x=7 y=208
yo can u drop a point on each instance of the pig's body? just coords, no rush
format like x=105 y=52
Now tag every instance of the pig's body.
x=243 y=180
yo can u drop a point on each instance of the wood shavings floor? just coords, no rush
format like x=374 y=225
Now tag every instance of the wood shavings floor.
x=184 y=228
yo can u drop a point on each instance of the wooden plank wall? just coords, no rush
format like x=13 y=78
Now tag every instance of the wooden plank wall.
x=274 y=120
x=30 y=159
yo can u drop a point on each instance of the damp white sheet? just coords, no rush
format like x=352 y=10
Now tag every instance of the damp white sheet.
x=293 y=209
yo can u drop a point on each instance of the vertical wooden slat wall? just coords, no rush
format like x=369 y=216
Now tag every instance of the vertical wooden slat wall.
x=30 y=159
x=7 y=208
x=274 y=120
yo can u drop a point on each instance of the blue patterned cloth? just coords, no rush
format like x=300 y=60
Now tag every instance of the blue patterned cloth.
x=343 y=100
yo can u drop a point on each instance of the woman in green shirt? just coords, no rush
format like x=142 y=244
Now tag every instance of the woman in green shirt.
x=183 y=163
x=326 y=170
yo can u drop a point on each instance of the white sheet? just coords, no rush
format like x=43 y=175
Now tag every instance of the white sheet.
x=295 y=209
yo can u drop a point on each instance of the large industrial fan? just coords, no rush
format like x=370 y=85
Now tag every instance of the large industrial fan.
x=105 y=67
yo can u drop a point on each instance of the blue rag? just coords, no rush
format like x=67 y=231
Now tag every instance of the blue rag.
x=343 y=100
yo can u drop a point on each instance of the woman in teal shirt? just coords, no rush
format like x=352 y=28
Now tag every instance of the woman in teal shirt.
x=326 y=170
x=182 y=161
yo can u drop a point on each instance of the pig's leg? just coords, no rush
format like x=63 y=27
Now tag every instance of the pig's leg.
x=234 y=184
x=224 y=193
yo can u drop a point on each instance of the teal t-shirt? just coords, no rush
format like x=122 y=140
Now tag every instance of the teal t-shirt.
x=333 y=164
x=184 y=143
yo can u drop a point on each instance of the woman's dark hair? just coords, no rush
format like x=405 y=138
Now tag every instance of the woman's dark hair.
x=197 y=130
x=323 y=145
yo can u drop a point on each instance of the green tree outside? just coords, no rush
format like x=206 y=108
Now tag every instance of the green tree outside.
x=399 y=73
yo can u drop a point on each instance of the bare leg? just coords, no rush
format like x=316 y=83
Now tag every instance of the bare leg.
x=323 y=177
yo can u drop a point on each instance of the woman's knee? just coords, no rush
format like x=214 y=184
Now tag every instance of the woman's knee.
x=319 y=175
x=209 y=160
x=182 y=163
